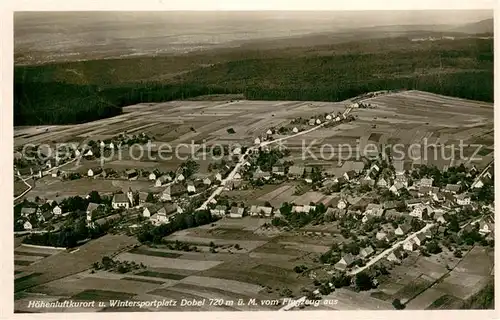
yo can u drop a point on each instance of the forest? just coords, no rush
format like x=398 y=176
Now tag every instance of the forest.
x=50 y=94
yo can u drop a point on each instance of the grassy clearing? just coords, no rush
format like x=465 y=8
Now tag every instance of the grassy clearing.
x=154 y=274
x=444 y=302
x=101 y=295
x=22 y=263
x=26 y=281
x=143 y=280
x=155 y=253
x=33 y=254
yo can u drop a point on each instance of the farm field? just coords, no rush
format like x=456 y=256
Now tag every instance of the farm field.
x=236 y=273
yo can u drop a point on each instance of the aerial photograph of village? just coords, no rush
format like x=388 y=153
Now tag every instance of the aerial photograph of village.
x=253 y=161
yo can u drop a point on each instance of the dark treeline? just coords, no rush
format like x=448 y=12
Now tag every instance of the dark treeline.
x=37 y=103
x=49 y=94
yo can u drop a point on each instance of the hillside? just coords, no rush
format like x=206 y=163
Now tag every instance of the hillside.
x=483 y=26
x=77 y=92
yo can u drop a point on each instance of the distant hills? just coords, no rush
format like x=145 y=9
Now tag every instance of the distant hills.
x=483 y=26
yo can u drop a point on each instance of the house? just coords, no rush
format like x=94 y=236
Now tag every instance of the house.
x=303 y=209
x=312 y=122
x=295 y=130
x=345 y=262
x=164 y=215
x=27 y=225
x=161 y=180
x=478 y=184
x=237 y=176
x=419 y=239
x=318 y=121
x=89 y=153
x=234 y=184
x=102 y=144
x=261 y=211
x=398 y=166
x=329 y=117
x=426 y=182
x=411 y=203
x=44 y=216
x=131 y=173
x=374 y=167
x=143 y=196
x=388 y=205
x=342 y=204
x=381 y=236
x=382 y=183
x=396 y=187
x=165 y=195
x=278 y=170
x=486 y=226
x=218 y=176
x=393 y=214
x=401 y=178
x=219 y=211
x=28 y=212
x=418 y=211
x=427 y=191
x=236 y=212
x=256 y=141
x=438 y=197
x=453 y=188
x=190 y=187
x=150 y=209
x=180 y=177
x=207 y=181
x=94 y=172
x=366 y=252
x=402 y=230
x=396 y=255
x=439 y=217
x=368 y=181
x=463 y=199
x=111 y=145
x=349 y=175
x=57 y=211
x=295 y=172
x=91 y=207
x=259 y=174
x=269 y=131
x=120 y=200
x=374 y=210
x=410 y=245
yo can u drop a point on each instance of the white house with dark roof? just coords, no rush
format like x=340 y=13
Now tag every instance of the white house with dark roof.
x=120 y=200
x=191 y=188
x=261 y=211
x=463 y=199
x=366 y=252
x=236 y=212
x=27 y=225
x=91 y=208
x=57 y=211
x=219 y=211
x=426 y=182
x=410 y=245
x=346 y=261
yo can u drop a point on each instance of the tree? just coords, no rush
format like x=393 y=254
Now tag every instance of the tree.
x=433 y=247
x=150 y=198
x=396 y=303
x=363 y=281
x=94 y=197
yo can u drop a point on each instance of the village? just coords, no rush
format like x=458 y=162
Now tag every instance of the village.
x=374 y=211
